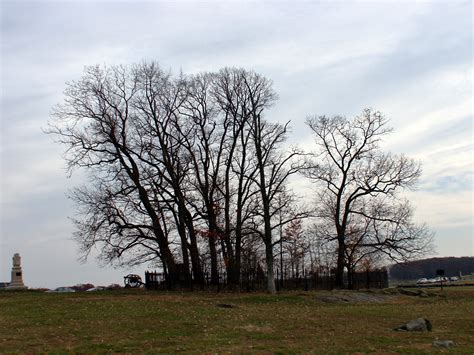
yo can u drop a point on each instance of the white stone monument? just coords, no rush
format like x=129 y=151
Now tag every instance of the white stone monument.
x=17 y=275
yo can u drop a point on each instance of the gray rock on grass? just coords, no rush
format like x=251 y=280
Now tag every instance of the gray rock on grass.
x=416 y=293
x=444 y=343
x=416 y=325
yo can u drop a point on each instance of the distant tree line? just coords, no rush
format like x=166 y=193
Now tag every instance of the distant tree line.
x=186 y=171
x=426 y=268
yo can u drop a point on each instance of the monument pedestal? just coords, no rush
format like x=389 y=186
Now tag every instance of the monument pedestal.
x=17 y=275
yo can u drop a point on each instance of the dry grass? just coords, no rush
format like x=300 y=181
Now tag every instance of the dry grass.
x=131 y=322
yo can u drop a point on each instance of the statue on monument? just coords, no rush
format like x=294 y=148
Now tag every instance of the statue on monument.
x=16 y=260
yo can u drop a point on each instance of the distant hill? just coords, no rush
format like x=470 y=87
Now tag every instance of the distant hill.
x=452 y=266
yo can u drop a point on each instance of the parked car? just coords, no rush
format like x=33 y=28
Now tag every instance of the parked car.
x=61 y=290
x=98 y=288
x=422 y=281
x=454 y=278
x=439 y=279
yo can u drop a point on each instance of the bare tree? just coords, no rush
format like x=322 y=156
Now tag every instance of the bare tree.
x=218 y=143
x=296 y=246
x=384 y=229
x=98 y=126
x=274 y=166
x=354 y=173
x=239 y=193
x=162 y=139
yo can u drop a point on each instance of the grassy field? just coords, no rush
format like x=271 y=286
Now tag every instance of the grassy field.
x=140 y=321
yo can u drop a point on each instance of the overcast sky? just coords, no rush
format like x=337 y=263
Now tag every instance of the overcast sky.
x=410 y=60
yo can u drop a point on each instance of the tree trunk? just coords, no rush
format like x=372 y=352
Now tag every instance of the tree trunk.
x=230 y=258
x=214 y=233
x=193 y=249
x=340 y=263
x=170 y=265
x=213 y=252
x=267 y=237
x=161 y=238
x=238 y=257
x=350 y=276
x=270 y=271
x=184 y=251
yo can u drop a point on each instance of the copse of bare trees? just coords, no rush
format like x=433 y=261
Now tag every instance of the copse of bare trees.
x=187 y=171
x=179 y=166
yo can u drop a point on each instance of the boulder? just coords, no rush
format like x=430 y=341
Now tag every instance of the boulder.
x=416 y=325
x=351 y=297
x=419 y=292
x=444 y=343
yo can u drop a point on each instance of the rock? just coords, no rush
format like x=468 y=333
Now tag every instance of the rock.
x=419 y=292
x=416 y=325
x=423 y=293
x=406 y=292
x=351 y=297
x=444 y=343
x=333 y=299
x=390 y=291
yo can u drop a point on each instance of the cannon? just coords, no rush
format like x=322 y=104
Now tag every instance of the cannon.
x=132 y=281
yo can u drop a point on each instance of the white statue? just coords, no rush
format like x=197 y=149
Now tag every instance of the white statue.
x=16 y=260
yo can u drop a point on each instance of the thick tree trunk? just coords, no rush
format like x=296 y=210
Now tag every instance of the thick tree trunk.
x=340 y=263
x=214 y=234
x=213 y=252
x=198 y=275
x=267 y=237
x=350 y=277
x=238 y=257
x=270 y=271
x=184 y=251
x=171 y=267
x=268 y=245
x=229 y=257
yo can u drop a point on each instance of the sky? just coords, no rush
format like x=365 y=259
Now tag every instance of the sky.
x=411 y=60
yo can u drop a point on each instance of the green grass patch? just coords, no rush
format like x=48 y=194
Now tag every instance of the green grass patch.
x=139 y=321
